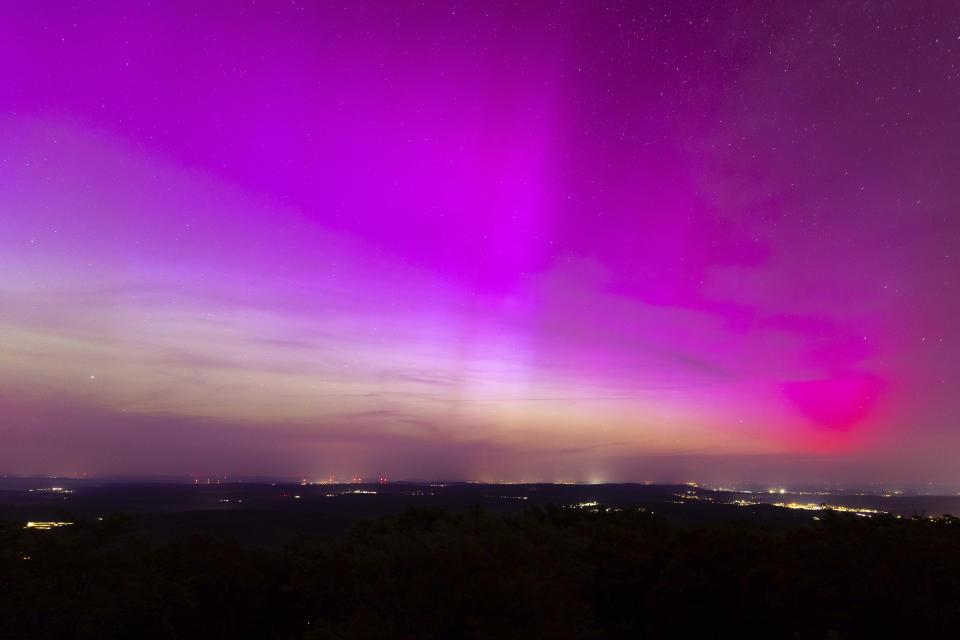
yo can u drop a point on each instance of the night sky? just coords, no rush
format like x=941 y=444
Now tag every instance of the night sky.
x=483 y=241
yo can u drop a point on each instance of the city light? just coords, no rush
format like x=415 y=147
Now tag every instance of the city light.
x=46 y=526
x=862 y=511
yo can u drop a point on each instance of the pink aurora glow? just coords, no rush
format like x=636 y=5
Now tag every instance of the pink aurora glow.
x=482 y=241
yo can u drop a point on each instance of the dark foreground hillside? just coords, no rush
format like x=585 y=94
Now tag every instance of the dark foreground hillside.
x=553 y=573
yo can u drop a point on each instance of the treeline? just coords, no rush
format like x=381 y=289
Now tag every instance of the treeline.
x=555 y=573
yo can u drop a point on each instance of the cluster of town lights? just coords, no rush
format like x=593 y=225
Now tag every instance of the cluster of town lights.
x=46 y=526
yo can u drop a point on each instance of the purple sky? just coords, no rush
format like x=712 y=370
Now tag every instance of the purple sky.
x=483 y=241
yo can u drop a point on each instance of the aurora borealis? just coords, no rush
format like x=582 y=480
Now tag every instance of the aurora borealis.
x=481 y=241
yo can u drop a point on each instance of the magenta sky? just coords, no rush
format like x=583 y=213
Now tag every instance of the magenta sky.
x=555 y=241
